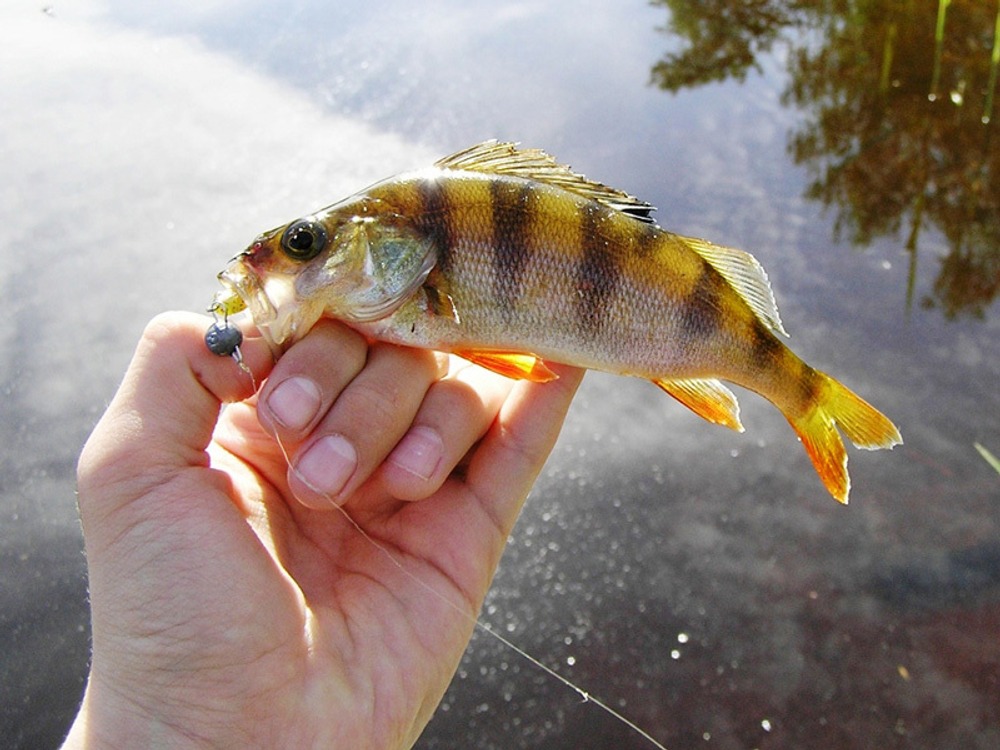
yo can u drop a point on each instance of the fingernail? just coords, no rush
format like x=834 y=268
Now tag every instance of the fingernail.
x=419 y=452
x=295 y=402
x=328 y=464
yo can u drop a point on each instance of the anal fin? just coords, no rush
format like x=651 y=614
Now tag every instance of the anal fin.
x=706 y=397
x=516 y=365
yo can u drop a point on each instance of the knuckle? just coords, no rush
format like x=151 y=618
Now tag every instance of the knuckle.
x=375 y=407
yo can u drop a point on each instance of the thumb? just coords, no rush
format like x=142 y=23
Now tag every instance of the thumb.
x=162 y=417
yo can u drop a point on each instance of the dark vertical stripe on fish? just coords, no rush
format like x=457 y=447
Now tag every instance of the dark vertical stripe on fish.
x=809 y=383
x=766 y=350
x=702 y=311
x=598 y=274
x=435 y=219
x=511 y=242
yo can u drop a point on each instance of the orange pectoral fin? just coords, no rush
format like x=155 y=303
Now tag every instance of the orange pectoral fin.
x=708 y=398
x=516 y=365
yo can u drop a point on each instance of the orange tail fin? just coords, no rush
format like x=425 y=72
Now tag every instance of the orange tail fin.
x=864 y=425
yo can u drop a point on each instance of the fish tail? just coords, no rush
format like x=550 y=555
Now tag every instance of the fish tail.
x=834 y=405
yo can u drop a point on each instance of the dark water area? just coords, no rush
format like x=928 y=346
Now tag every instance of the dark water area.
x=699 y=581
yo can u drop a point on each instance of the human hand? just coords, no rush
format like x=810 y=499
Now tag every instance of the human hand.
x=232 y=604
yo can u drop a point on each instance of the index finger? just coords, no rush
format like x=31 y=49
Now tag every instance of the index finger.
x=162 y=417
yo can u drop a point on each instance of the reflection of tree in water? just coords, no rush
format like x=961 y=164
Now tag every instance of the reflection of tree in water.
x=725 y=37
x=897 y=132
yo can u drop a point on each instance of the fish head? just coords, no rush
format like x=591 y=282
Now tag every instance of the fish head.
x=357 y=262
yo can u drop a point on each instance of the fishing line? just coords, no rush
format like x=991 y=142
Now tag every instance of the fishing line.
x=584 y=695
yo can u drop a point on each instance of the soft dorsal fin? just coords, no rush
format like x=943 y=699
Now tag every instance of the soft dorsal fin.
x=494 y=157
x=747 y=277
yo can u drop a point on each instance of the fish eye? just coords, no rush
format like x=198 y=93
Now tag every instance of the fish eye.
x=304 y=239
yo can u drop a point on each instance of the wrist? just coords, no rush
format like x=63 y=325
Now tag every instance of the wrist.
x=109 y=721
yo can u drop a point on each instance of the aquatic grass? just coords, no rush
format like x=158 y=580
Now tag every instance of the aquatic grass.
x=990 y=458
x=994 y=64
x=938 y=47
x=888 y=52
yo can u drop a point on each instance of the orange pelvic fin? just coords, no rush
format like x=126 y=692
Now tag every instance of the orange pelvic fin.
x=708 y=398
x=516 y=365
x=866 y=427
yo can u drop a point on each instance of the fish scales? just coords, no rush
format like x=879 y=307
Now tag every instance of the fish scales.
x=569 y=271
x=510 y=259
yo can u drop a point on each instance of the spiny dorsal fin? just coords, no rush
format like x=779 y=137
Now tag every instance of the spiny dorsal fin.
x=746 y=275
x=494 y=157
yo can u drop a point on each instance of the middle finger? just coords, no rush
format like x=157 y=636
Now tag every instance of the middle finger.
x=364 y=423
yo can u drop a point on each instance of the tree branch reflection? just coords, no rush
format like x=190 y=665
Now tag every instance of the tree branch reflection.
x=898 y=133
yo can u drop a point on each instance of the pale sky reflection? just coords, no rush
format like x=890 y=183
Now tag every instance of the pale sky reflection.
x=135 y=166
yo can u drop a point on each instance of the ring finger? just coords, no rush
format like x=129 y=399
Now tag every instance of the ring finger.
x=456 y=412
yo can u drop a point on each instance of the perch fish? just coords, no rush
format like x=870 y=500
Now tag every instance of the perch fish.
x=509 y=259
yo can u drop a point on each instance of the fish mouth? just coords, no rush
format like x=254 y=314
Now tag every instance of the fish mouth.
x=262 y=299
x=279 y=312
